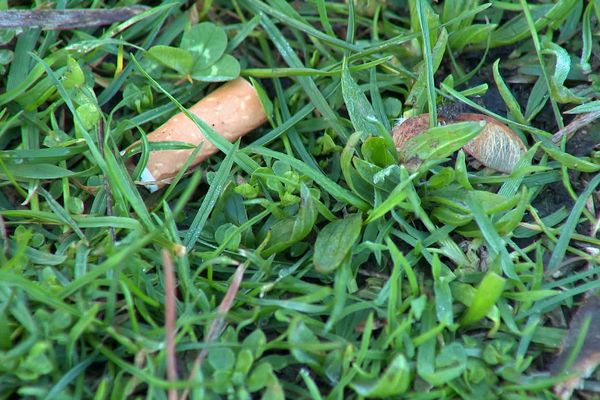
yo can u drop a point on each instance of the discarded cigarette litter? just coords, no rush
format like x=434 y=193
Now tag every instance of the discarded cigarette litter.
x=232 y=110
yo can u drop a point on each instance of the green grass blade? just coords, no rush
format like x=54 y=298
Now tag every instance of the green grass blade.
x=210 y=199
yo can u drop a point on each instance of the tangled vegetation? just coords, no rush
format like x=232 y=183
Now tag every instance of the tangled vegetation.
x=309 y=259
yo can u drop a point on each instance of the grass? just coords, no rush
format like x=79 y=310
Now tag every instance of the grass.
x=303 y=261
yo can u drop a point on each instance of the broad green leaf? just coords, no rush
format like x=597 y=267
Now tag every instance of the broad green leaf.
x=592 y=106
x=172 y=57
x=225 y=69
x=73 y=76
x=341 y=286
x=6 y=35
x=451 y=217
x=440 y=142
x=351 y=176
x=450 y=363
x=430 y=17
x=443 y=295
x=569 y=161
x=38 y=171
x=473 y=34
x=367 y=172
x=255 y=342
x=537 y=99
x=244 y=361
x=561 y=70
x=221 y=358
x=393 y=107
x=39 y=156
x=228 y=236
x=490 y=202
x=291 y=230
x=509 y=222
x=361 y=112
x=393 y=382
x=507 y=96
x=465 y=294
x=377 y=151
x=442 y=178
x=462 y=177
x=489 y=291
x=260 y=377
x=334 y=243
x=206 y=42
x=300 y=338
x=88 y=114
x=426 y=347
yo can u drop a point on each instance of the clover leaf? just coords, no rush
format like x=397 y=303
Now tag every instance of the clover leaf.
x=200 y=55
x=207 y=43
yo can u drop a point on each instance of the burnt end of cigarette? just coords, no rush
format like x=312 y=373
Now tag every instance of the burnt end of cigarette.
x=233 y=110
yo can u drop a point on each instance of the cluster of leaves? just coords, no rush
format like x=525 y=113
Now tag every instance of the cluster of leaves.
x=200 y=55
x=363 y=277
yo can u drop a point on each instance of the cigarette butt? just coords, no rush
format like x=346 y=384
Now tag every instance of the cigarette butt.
x=232 y=110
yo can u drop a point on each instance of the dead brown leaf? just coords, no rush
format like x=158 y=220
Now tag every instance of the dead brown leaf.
x=496 y=147
x=584 y=362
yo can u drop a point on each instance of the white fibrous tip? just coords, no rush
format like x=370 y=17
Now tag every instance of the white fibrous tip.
x=400 y=121
x=148 y=177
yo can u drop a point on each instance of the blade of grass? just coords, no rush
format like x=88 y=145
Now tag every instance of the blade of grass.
x=497 y=246
x=110 y=91
x=287 y=20
x=170 y=320
x=61 y=213
x=112 y=262
x=569 y=226
x=210 y=199
x=428 y=64
x=538 y=50
x=311 y=89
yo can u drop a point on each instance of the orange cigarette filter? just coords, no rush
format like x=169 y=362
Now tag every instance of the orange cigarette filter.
x=232 y=110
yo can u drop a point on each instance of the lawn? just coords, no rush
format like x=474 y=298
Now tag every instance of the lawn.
x=412 y=211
